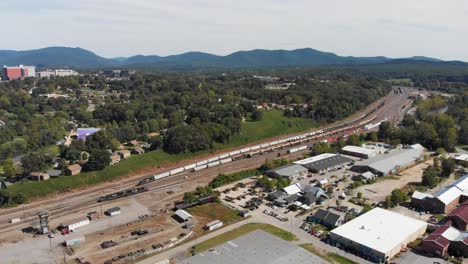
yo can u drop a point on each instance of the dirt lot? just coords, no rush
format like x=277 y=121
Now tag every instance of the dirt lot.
x=160 y=229
x=376 y=192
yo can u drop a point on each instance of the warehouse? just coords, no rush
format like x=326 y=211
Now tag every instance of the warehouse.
x=256 y=247
x=293 y=172
x=113 y=211
x=389 y=163
x=360 y=152
x=323 y=162
x=379 y=234
x=445 y=200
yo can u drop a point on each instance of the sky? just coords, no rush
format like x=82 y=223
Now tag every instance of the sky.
x=113 y=28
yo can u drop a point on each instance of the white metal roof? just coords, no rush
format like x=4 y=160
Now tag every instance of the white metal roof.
x=380 y=229
x=183 y=214
x=292 y=189
x=368 y=175
x=420 y=195
x=388 y=162
x=463 y=157
x=360 y=150
x=453 y=191
x=315 y=158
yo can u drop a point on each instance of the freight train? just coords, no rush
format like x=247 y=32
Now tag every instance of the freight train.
x=124 y=193
x=256 y=150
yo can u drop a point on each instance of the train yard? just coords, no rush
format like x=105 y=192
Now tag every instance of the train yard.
x=185 y=177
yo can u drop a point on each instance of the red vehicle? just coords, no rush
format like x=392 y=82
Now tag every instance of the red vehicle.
x=65 y=231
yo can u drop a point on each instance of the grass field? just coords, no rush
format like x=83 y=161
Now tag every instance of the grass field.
x=330 y=257
x=272 y=124
x=216 y=211
x=225 y=237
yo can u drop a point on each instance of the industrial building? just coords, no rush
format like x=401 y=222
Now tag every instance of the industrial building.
x=18 y=72
x=378 y=234
x=256 y=247
x=53 y=73
x=323 y=162
x=359 y=152
x=389 y=163
x=445 y=200
x=293 y=172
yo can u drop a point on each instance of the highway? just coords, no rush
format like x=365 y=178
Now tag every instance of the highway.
x=64 y=204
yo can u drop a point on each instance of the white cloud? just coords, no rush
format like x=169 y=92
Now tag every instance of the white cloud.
x=395 y=28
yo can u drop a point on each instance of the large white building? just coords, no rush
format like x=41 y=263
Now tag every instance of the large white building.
x=379 y=234
x=389 y=163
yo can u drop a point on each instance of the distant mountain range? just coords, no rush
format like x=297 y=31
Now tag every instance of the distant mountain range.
x=55 y=57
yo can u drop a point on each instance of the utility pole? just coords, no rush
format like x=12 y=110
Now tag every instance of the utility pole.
x=64 y=258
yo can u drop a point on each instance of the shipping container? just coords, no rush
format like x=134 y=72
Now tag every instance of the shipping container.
x=214 y=225
x=224 y=161
x=190 y=166
x=235 y=152
x=178 y=170
x=15 y=220
x=74 y=241
x=244 y=150
x=212 y=164
x=223 y=156
x=213 y=159
x=255 y=147
x=203 y=162
x=200 y=168
x=162 y=175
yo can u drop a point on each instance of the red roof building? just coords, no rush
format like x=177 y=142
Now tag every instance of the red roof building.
x=459 y=217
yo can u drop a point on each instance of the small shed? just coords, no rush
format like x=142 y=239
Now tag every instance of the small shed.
x=182 y=215
x=39 y=176
x=113 y=211
x=213 y=225
x=73 y=169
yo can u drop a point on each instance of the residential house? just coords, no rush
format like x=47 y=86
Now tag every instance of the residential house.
x=39 y=176
x=73 y=169
x=138 y=151
x=328 y=218
x=125 y=153
x=115 y=158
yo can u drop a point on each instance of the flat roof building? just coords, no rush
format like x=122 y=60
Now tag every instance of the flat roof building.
x=359 y=152
x=323 y=162
x=379 y=234
x=389 y=163
x=256 y=247
x=18 y=72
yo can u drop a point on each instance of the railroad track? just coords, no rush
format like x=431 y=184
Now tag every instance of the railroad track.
x=90 y=197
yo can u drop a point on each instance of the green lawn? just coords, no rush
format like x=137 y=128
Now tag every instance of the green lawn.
x=228 y=236
x=272 y=124
x=216 y=211
x=330 y=257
